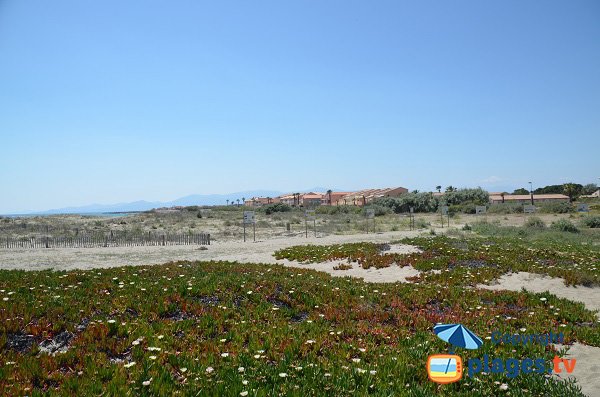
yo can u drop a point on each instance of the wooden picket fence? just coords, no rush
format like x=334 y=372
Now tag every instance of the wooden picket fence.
x=101 y=240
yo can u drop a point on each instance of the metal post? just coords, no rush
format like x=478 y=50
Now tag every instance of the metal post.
x=531 y=192
x=244 y=223
x=315 y=226
x=305 y=226
x=254 y=230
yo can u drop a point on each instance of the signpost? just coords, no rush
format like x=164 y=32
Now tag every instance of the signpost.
x=529 y=209
x=480 y=209
x=411 y=218
x=249 y=219
x=309 y=215
x=370 y=214
x=583 y=207
x=444 y=211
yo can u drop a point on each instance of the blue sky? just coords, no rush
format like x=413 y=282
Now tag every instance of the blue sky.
x=112 y=101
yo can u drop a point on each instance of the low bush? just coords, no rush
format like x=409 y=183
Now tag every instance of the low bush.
x=273 y=208
x=465 y=208
x=534 y=222
x=420 y=202
x=337 y=209
x=505 y=208
x=262 y=224
x=591 y=221
x=556 y=208
x=421 y=224
x=565 y=225
x=380 y=210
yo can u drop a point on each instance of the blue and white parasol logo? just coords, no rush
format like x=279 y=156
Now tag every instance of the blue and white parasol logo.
x=458 y=336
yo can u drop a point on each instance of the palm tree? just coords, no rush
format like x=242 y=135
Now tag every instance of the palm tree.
x=238 y=201
x=329 y=196
x=227 y=201
x=438 y=188
x=450 y=189
x=243 y=200
x=502 y=195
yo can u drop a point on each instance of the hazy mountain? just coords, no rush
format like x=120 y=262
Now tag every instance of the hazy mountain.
x=195 y=199
x=140 y=205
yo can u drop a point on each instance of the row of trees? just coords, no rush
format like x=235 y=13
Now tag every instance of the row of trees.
x=243 y=199
x=427 y=202
x=573 y=190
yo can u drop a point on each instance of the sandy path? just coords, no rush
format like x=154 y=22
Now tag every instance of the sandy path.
x=587 y=369
x=256 y=252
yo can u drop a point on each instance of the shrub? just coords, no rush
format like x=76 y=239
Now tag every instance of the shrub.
x=591 y=221
x=380 y=210
x=565 y=225
x=421 y=202
x=421 y=224
x=476 y=196
x=199 y=215
x=505 y=208
x=534 y=222
x=273 y=208
x=465 y=208
x=466 y=227
x=337 y=209
x=556 y=208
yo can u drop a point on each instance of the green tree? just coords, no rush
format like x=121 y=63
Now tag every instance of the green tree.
x=521 y=191
x=438 y=188
x=589 y=188
x=572 y=190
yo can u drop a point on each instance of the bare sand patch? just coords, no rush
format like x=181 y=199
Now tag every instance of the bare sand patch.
x=587 y=368
x=590 y=297
x=389 y=274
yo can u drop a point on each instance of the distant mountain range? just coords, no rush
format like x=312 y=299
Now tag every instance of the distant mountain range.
x=194 y=199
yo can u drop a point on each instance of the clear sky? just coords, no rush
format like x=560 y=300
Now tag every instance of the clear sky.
x=112 y=101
